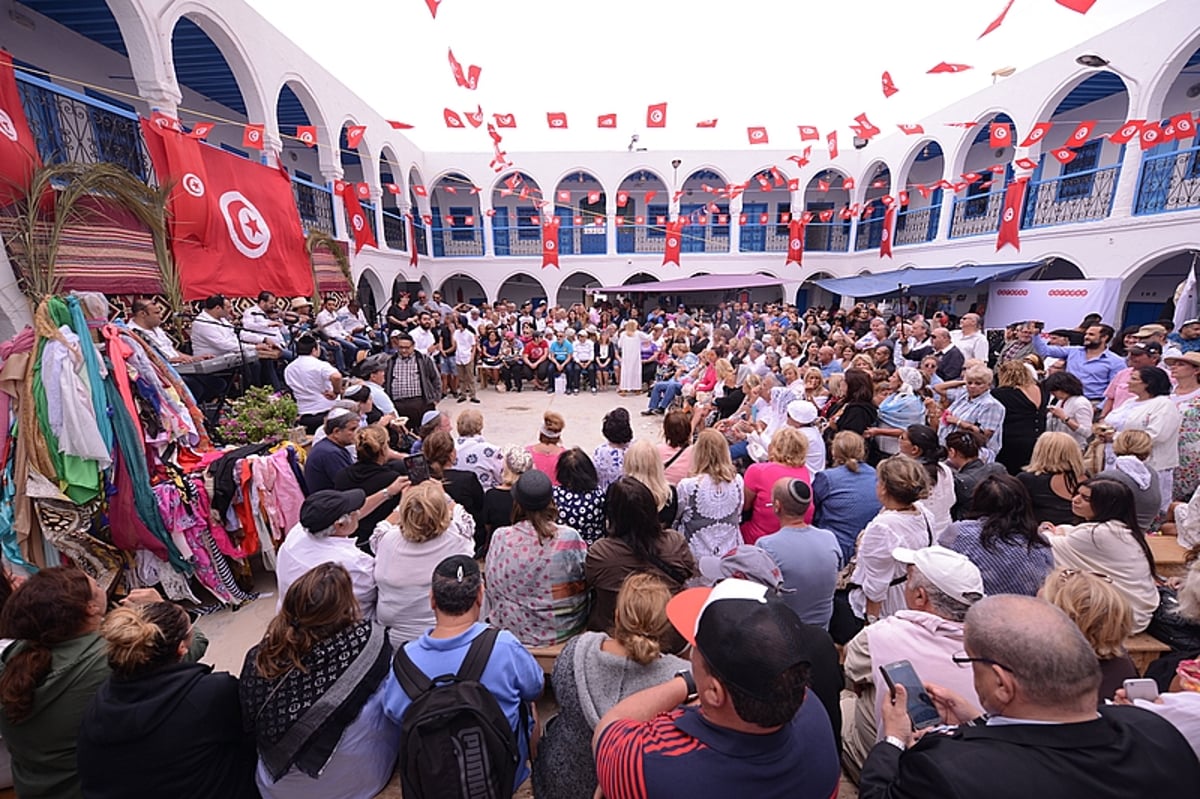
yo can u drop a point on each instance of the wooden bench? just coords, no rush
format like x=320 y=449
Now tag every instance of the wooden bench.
x=546 y=655
x=1169 y=557
x=1144 y=649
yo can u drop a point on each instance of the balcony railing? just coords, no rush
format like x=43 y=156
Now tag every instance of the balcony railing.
x=69 y=126
x=369 y=211
x=827 y=236
x=976 y=216
x=633 y=239
x=1169 y=182
x=916 y=225
x=870 y=233
x=763 y=238
x=516 y=240
x=395 y=232
x=582 y=239
x=1080 y=197
x=315 y=204
x=457 y=240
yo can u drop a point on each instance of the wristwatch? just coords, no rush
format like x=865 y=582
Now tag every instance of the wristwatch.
x=690 y=681
x=896 y=742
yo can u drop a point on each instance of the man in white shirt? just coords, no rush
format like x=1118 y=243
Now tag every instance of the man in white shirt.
x=314 y=383
x=970 y=339
x=325 y=534
x=146 y=320
x=257 y=319
x=422 y=334
x=464 y=357
x=339 y=339
x=917 y=336
x=213 y=335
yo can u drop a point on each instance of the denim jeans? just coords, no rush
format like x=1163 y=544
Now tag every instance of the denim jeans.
x=663 y=393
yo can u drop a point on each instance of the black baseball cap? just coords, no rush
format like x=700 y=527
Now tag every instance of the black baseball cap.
x=747 y=637
x=322 y=508
x=1150 y=348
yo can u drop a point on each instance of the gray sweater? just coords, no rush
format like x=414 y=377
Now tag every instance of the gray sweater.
x=588 y=682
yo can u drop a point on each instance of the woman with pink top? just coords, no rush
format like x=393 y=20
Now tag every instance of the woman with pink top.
x=549 y=445
x=785 y=458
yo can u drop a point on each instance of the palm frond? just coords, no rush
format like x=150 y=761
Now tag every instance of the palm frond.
x=318 y=239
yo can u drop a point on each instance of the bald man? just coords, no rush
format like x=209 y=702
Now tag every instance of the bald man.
x=970 y=338
x=950 y=358
x=1037 y=678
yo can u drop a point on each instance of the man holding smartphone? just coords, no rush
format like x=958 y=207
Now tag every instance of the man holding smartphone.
x=940 y=587
x=1036 y=677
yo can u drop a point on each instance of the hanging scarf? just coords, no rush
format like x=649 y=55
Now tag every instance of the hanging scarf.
x=300 y=716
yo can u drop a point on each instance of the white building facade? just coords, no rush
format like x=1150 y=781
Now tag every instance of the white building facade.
x=88 y=68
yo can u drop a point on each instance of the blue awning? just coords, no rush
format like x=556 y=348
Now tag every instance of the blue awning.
x=942 y=280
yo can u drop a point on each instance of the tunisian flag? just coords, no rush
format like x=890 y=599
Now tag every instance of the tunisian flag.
x=795 y=242
x=360 y=227
x=1010 y=217
x=18 y=151
x=885 y=235
x=412 y=240
x=550 y=242
x=674 y=239
x=235 y=229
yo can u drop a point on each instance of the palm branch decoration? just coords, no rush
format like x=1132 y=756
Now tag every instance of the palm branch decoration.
x=317 y=239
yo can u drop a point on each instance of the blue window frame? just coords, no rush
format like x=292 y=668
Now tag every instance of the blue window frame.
x=653 y=229
x=527 y=229
x=231 y=149
x=460 y=230
x=1086 y=159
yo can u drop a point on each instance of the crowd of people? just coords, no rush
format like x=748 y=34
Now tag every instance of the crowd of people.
x=832 y=492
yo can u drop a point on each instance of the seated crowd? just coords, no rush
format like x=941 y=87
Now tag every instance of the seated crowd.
x=836 y=499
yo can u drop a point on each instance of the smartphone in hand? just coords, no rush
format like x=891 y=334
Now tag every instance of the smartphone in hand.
x=920 y=706
x=1141 y=689
x=418 y=468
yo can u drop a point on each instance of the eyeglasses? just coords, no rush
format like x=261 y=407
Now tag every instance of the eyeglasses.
x=963 y=659
x=1067 y=574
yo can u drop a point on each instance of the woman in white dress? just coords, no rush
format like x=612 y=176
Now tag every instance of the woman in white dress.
x=710 y=499
x=629 y=350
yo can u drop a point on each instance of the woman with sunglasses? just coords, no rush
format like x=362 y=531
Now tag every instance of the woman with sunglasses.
x=1109 y=542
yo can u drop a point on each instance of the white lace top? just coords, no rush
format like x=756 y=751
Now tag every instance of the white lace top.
x=710 y=514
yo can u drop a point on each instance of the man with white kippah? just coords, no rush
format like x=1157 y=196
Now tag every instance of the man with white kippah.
x=940 y=588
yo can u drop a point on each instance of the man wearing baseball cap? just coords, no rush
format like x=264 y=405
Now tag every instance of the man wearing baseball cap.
x=1187 y=337
x=940 y=587
x=325 y=534
x=751 y=725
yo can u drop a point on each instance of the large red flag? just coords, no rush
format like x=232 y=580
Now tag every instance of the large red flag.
x=1037 y=133
x=674 y=239
x=885 y=235
x=795 y=242
x=246 y=237
x=360 y=228
x=1010 y=217
x=550 y=242
x=18 y=151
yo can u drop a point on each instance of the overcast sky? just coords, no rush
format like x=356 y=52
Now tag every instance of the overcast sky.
x=771 y=63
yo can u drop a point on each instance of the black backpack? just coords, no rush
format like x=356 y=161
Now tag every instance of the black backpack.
x=455 y=741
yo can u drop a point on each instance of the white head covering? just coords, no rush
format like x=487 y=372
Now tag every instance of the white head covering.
x=911 y=380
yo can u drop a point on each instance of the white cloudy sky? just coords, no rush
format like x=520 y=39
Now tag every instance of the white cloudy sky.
x=774 y=63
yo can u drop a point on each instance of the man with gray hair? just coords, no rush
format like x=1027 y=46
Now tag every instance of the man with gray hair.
x=949 y=357
x=939 y=588
x=325 y=534
x=1036 y=677
x=329 y=455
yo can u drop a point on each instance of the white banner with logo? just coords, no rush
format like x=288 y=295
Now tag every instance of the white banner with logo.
x=1058 y=303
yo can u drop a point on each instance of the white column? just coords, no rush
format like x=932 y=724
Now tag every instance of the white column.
x=610 y=221
x=735 y=225
x=376 y=196
x=339 y=210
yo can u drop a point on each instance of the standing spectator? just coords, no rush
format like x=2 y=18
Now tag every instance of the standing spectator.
x=629 y=352
x=1151 y=410
x=465 y=342
x=786 y=457
x=844 y=495
x=808 y=557
x=643 y=464
x=1024 y=414
x=1052 y=477
x=313 y=692
x=578 y=496
x=976 y=411
x=950 y=359
x=593 y=673
x=605 y=358
x=609 y=456
x=635 y=541
x=970 y=339
x=474 y=453
x=535 y=575
x=1020 y=345
x=877 y=582
x=424 y=530
x=1068 y=411
x=158 y=709
x=1093 y=363
x=711 y=498
x=1000 y=536
x=412 y=380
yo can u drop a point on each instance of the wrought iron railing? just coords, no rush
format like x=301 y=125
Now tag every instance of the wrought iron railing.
x=457 y=240
x=369 y=212
x=633 y=239
x=827 y=236
x=69 y=126
x=516 y=240
x=869 y=233
x=583 y=239
x=315 y=204
x=1169 y=182
x=758 y=237
x=395 y=232
x=976 y=216
x=1080 y=197
x=916 y=225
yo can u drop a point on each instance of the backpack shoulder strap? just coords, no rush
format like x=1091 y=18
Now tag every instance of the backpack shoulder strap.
x=412 y=679
x=477 y=656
